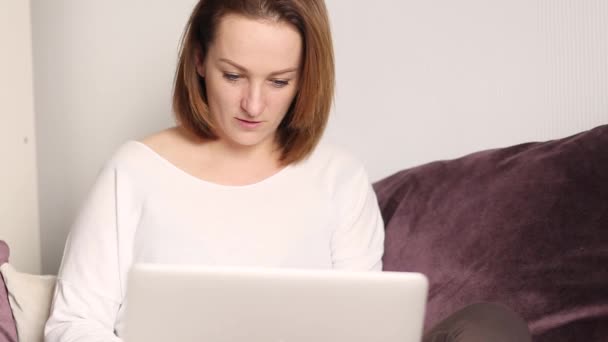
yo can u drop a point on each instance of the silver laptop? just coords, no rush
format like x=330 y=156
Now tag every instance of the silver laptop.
x=184 y=303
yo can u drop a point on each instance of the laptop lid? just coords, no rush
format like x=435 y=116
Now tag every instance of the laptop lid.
x=186 y=303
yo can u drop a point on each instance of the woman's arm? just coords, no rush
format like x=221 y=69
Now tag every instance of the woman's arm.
x=358 y=240
x=90 y=286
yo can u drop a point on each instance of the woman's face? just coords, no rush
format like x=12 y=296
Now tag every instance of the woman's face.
x=251 y=75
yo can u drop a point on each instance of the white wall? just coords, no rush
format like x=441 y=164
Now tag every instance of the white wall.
x=417 y=81
x=18 y=194
x=426 y=80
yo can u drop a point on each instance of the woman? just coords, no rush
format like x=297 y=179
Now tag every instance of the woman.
x=241 y=180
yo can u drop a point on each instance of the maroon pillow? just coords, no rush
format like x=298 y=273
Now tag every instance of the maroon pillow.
x=525 y=225
x=8 y=329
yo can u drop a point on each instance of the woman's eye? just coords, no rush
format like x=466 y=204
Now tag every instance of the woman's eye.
x=280 y=83
x=231 y=77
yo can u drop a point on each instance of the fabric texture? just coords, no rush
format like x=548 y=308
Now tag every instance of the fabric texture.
x=30 y=300
x=321 y=213
x=526 y=226
x=487 y=322
x=8 y=328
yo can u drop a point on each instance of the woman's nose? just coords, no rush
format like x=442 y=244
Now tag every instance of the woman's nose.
x=253 y=103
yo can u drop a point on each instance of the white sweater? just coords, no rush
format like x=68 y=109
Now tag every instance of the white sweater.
x=319 y=213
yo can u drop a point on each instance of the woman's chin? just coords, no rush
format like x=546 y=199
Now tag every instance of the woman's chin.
x=248 y=141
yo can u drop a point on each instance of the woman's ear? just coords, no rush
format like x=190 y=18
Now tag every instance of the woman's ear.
x=199 y=60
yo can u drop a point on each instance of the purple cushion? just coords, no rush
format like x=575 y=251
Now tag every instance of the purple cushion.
x=8 y=329
x=525 y=225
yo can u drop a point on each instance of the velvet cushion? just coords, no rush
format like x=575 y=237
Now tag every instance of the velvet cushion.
x=525 y=225
x=8 y=329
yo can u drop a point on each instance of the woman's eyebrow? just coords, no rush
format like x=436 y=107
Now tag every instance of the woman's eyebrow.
x=243 y=69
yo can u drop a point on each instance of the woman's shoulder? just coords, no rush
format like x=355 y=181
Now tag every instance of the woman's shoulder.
x=330 y=155
x=140 y=153
x=335 y=164
x=164 y=142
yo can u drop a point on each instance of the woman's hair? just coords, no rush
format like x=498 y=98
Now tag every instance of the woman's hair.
x=307 y=116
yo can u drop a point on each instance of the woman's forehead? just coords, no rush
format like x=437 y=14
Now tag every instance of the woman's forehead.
x=257 y=44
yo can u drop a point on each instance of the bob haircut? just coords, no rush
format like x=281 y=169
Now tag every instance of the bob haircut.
x=306 y=118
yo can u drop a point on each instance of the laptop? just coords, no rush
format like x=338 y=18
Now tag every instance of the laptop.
x=232 y=304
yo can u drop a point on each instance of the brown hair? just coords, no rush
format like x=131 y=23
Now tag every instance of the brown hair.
x=305 y=121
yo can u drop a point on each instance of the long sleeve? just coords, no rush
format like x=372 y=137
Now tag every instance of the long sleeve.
x=358 y=240
x=90 y=286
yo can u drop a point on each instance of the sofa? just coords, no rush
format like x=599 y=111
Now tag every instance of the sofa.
x=525 y=226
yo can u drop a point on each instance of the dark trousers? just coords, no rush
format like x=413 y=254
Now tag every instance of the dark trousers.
x=483 y=322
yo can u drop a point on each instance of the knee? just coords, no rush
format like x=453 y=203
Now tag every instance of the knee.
x=493 y=322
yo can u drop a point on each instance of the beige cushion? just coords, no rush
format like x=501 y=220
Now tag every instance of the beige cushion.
x=30 y=299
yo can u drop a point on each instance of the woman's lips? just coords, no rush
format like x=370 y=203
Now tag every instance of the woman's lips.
x=248 y=124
